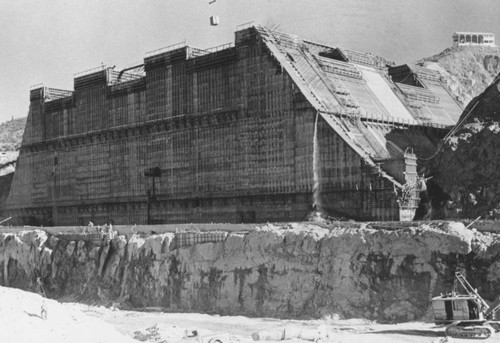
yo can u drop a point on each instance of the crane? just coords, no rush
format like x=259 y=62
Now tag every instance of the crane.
x=467 y=315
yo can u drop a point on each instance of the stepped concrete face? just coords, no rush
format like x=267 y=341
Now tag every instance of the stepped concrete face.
x=286 y=271
x=231 y=135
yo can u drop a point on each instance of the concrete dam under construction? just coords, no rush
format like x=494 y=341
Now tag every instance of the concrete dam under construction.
x=206 y=195
x=269 y=128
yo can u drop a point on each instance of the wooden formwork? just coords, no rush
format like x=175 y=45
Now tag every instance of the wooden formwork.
x=229 y=132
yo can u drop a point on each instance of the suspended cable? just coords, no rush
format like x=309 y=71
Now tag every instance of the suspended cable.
x=449 y=134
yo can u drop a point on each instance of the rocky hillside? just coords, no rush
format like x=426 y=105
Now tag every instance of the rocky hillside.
x=467 y=70
x=469 y=167
x=286 y=270
x=460 y=172
x=11 y=134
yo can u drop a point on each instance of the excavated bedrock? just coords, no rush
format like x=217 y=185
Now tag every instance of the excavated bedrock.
x=298 y=270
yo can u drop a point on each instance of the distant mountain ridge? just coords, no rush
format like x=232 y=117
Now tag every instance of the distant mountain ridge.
x=11 y=134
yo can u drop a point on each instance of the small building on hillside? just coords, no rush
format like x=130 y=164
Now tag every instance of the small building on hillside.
x=473 y=38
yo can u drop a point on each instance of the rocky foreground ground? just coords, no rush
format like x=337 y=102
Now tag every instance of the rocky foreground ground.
x=22 y=322
x=342 y=282
x=288 y=271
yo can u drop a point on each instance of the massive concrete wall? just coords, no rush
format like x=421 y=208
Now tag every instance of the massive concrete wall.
x=290 y=270
x=229 y=135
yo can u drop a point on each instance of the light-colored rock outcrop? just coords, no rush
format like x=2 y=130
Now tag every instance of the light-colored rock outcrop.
x=467 y=70
x=286 y=270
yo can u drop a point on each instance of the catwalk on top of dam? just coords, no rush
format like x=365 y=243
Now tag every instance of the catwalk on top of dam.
x=230 y=134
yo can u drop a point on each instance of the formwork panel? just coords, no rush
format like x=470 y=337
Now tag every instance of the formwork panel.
x=230 y=133
x=159 y=93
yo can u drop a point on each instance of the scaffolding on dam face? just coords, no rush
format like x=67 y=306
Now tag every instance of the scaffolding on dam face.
x=230 y=130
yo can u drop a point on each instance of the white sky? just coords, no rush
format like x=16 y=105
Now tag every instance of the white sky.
x=49 y=41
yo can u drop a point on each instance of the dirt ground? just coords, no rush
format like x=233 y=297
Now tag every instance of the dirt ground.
x=22 y=320
x=240 y=329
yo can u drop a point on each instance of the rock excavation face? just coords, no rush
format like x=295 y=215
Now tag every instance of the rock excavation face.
x=286 y=271
x=468 y=168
